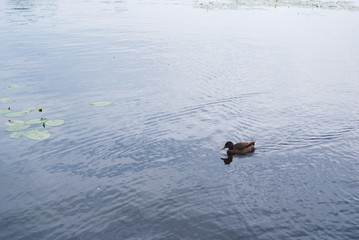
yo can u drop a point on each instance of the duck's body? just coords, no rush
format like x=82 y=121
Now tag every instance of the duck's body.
x=239 y=148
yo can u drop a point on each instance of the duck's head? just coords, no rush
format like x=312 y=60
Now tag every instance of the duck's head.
x=228 y=145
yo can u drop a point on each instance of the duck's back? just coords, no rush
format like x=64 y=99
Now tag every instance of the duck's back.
x=239 y=146
x=242 y=145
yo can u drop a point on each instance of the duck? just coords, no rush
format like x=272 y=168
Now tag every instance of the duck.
x=239 y=148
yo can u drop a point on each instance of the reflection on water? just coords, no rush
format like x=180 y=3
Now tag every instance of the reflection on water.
x=313 y=4
x=27 y=11
x=227 y=160
x=182 y=80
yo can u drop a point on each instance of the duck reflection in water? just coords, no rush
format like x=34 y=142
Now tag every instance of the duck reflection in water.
x=238 y=148
x=227 y=160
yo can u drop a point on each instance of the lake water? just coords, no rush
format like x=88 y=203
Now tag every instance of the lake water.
x=183 y=77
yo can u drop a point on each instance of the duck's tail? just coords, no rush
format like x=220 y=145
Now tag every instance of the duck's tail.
x=249 y=144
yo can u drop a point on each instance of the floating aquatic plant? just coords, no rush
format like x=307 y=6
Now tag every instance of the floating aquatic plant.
x=19 y=114
x=16 y=114
x=4 y=111
x=14 y=86
x=12 y=122
x=100 y=104
x=55 y=123
x=33 y=134
x=28 y=109
x=37 y=134
x=16 y=135
x=52 y=123
x=6 y=100
x=17 y=127
x=36 y=121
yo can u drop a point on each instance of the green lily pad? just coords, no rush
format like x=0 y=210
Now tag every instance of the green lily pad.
x=16 y=114
x=17 y=127
x=4 y=111
x=36 y=121
x=12 y=122
x=28 y=109
x=37 y=134
x=100 y=104
x=6 y=100
x=55 y=123
x=16 y=135
x=14 y=86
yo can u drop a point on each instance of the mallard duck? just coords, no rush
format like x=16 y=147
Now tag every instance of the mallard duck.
x=239 y=148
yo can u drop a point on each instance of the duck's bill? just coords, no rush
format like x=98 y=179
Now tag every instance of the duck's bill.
x=223 y=148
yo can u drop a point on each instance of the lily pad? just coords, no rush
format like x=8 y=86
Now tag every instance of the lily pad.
x=36 y=121
x=28 y=109
x=55 y=123
x=6 y=100
x=13 y=122
x=16 y=135
x=14 y=86
x=37 y=134
x=4 y=111
x=16 y=114
x=17 y=127
x=100 y=104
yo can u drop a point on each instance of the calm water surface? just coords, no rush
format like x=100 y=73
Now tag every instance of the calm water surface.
x=182 y=80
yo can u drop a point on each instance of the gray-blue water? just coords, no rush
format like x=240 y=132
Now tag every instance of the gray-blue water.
x=183 y=79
